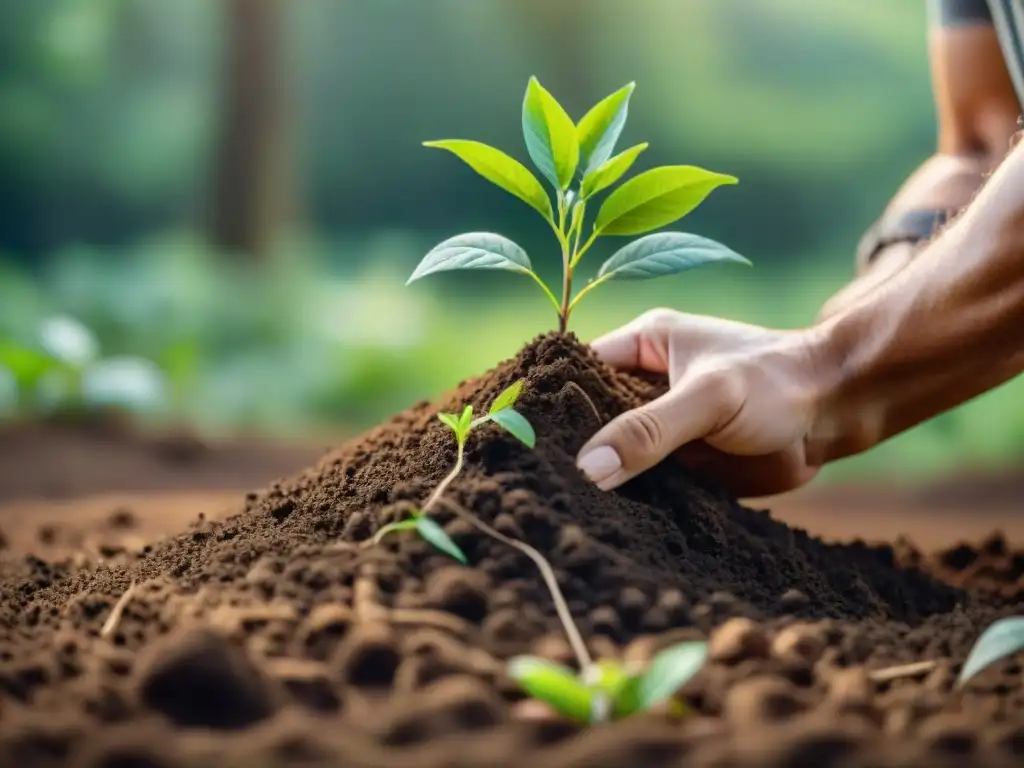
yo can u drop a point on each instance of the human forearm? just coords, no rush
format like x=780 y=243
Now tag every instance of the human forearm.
x=977 y=110
x=945 y=329
x=944 y=183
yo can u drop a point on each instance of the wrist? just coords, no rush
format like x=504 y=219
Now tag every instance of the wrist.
x=841 y=425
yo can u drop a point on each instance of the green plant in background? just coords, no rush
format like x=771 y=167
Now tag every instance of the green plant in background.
x=462 y=424
x=577 y=160
x=607 y=690
x=1002 y=639
x=63 y=372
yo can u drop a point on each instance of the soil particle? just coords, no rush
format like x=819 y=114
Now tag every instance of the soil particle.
x=274 y=638
x=198 y=679
x=737 y=640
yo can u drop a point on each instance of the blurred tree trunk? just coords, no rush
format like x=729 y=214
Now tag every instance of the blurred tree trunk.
x=251 y=185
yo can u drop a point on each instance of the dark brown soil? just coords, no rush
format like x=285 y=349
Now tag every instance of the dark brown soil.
x=271 y=638
x=65 y=459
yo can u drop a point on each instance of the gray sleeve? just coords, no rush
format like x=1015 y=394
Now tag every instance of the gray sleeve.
x=956 y=13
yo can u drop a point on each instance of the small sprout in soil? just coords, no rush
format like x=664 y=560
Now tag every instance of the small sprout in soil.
x=501 y=413
x=64 y=372
x=606 y=690
x=1002 y=639
x=577 y=160
x=426 y=527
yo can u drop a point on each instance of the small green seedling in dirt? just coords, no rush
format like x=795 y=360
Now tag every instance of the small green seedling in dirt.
x=501 y=413
x=462 y=424
x=1002 y=639
x=607 y=690
x=64 y=372
x=426 y=527
x=577 y=160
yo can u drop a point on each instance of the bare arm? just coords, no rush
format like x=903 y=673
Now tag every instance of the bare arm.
x=948 y=327
x=760 y=410
x=977 y=112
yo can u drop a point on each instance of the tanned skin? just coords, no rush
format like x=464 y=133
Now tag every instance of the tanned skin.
x=761 y=410
x=977 y=112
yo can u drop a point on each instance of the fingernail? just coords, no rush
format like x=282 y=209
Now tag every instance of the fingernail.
x=600 y=463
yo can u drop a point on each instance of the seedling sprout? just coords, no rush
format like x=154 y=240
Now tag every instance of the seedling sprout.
x=576 y=160
x=607 y=690
x=462 y=424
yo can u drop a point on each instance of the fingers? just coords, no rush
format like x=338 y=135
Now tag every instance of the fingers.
x=642 y=437
x=749 y=477
x=638 y=345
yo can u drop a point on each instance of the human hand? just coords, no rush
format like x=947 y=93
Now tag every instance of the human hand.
x=741 y=403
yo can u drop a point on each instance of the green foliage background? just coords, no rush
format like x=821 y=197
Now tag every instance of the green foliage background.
x=108 y=110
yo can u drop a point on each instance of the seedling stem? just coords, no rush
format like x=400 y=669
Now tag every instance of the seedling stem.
x=579 y=648
x=443 y=485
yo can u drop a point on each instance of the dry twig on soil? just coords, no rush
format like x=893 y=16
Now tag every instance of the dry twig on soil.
x=902 y=670
x=572 y=386
x=110 y=625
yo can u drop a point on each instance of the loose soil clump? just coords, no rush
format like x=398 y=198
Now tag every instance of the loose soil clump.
x=273 y=638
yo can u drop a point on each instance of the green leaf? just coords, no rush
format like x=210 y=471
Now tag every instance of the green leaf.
x=610 y=171
x=401 y=525
x=665 y=253
x=436 y=536
x=1003 y=638
x=655 y=198
x=550 y=135
x=26 y=364
x=465 y=421
x=508 y=397
x=601 y=127
x=517 y=425
x=554 y=684
x=498 y=168
x=626 y=701
x=607 y=676
x=473 y=250
x=451 y=420
x=669 y=671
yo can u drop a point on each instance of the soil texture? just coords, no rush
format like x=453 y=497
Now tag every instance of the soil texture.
x=272 y=638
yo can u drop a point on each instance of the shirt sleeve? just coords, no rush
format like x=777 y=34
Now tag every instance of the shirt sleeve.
x=956 y=13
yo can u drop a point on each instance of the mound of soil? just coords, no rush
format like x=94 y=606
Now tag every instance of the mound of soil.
x=274 y=638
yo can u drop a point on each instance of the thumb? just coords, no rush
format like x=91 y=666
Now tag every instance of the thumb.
x=640 y=438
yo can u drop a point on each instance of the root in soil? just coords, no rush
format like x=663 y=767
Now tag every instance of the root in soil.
x=284 y=643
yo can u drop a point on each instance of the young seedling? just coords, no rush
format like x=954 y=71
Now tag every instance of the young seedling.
x=576 y=160
x=1002 y=639
x=426 y=527
x=607 y=690
x=65 y=372
x=462 y=424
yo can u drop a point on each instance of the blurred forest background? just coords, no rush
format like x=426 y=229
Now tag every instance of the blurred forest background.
x=237 y=189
